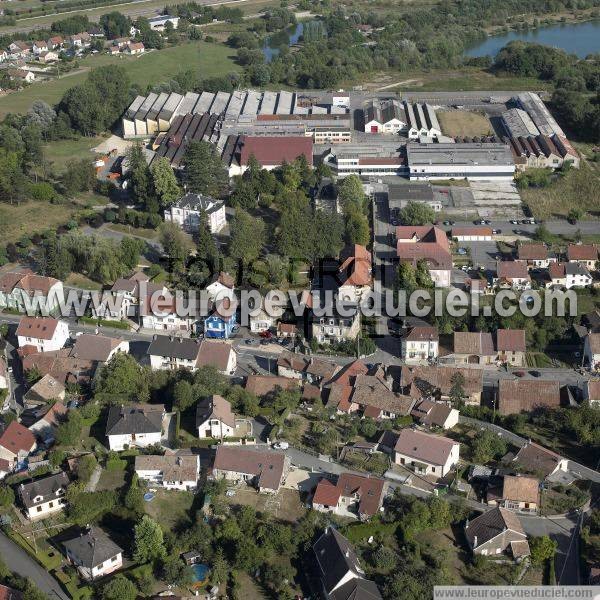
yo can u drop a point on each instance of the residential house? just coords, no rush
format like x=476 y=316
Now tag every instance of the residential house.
x=584 y=254
x=5 y=469
x=474 y=348
x=540 y=461
x=419 y=344
x=518 y=395
x=42 y=333
x=39 y=46
x=16 y=444
x=4 y=375
x=220 y=355
x=56 y=41
x=436 y=382
x=354 y=273
x=134 y=425
x=81 y=40
x=511 y=346
x=222 y=322
x=512 y=274
x=98 y=348
x=214 y=418
x=187 y=212
x=19 y=49
x=3 y=56
x=222 y=286
x=160 y=22
x=342 y=577
x=313 y=370
x=93 y=553
x=535 y=255
x=171 y=353
x=352 y=495
x=170 y=471
x=287 y=330
x=435 y=414
x=425 y=453
x=114 y=50
x=159 y=312
x=48 y=419
x=59 y=364
x=591 y=391
x=591 y=350
x=8 y=593
x=27 y=292
x=260 y=320
x=125 y=297
x=134 y=48
x=335 y=328
x=264 y=469
x=121 y=42
x=428 y=243
x=48 y=57
x=472 y=234
x=45 y=496
x=497 y=532
x=557 y=275
x=515 y=492
x=577 y=275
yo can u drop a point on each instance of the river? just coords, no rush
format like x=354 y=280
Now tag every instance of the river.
x=575 y=38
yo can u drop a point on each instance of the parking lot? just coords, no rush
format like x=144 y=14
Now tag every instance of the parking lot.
x=483 y=254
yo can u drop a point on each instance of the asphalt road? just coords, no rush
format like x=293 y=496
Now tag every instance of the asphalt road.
x=559 y=227
x=18 y=561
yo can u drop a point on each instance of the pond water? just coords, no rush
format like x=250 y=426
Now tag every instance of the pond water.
x=287 y=37
x=575 y=38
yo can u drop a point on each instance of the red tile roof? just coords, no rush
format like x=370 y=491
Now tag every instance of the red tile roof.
x=268 y=466
x=270 y=151
x=431 y=244
x=368 y=489
x=326 y=493
x=17 y=438
x=512 y=269
x=510 y=340
x=471 y=231
x=356 y=265
x=432 y=449
x=557 y=271
x=582 y=252
x=516 y=395
x=416 y=334
x=532 y=252
x=41 y=328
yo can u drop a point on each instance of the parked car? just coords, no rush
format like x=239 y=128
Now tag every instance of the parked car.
x=462 y=251
x=281 y=445
x=535 y=373
x=266 y=334
x=496 y=231
x=514 y=222
x=519 y=373
x=518 y=231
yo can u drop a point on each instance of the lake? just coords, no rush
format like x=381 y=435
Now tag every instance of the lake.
x=575 y=38
x=287 y=37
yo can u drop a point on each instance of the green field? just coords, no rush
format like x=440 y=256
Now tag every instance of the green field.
x=156 y=66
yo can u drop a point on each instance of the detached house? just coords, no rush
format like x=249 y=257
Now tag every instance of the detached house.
x=535 y=255
x=214 y=418
x=16 y=444
x=512 y=274
x=474 y=348
x=420 y=344
x=44 y=497
x=496 y=532
x=93 y=553
x=584 y=254
x=48 y=419
x=342 y=577
x=188 y=210
x=313 y=370
x=542 y=462
x=27 y=292
x=42 y=333
x=425 y=453
x=135 y=48
x=219 y=355
x=98 y=348
x=171 y=353
x=264 y=469
x=428 y=243
x=591 y=350
x=511 y=346
x=435 y=414
x=516 y=492
x=170 y=471
x=517 y=395
x=222 y=286
x=134 y=426
x=354 y=273
x=352 y=495
x=222 y=322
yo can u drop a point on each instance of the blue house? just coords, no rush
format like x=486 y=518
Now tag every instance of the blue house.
x=220 y=326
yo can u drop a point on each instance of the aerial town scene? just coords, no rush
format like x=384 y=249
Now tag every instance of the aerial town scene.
x=299 y=299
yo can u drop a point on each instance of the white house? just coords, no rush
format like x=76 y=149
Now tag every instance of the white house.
x=214 y=418
x=384 y=116
x=160 y=314
x=435 y=414
x=16 y=444
x=425 y=453
x=44 y=497
x=123 y=298
x=25 y=290
x=160 y=22
x=135 y=48
x=472 y=234
x=134 y=426
x=171 y=353
x=591 y=350
x=188 y=210
x=222 y=286
x=170 y=471
x=420 y=344
x=93 y=553
x=220 y=355
x=261 y=321
x=45 y=333
x=3 y=373
x=512 y=273
x=584 y=254
x=39 y=47
x=577 y=275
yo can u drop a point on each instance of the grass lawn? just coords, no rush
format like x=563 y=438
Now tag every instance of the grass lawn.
x=285 y=505
x=81 y=281
x=464 y=123
x=149 y=234
x=150 y=68
x=250 y=590
x=169 y=507
x=62 y=152
x=112 y=479
x=576 y=189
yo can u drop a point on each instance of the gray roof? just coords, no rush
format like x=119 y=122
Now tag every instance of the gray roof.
x=458 y=154
x=46 y=487
x=136 y=418
x=174 y=347
x=491 y=524
x=94 y=347
x=357 y=589
x=198 y=202
x=573 y=268
x=92 y=548
x=336 y=557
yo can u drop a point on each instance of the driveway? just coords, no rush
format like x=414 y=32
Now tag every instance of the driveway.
x=18 y=561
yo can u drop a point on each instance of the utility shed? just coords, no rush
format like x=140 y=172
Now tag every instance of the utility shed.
x=140 y=116
x=284 y=103
x=128 y=118
x=152 y=116
x=252 y=103
x=165 y=117
x=187 y=104
x=235 y=105
x=267 y=106
x=204 y=103
x=220 y=103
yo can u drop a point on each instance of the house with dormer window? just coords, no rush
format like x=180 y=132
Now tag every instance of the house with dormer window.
x=44 y=497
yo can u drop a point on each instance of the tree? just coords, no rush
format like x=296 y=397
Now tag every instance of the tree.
x=115 y=25
x=140 y=179
x=57 y=457
x=165 y=183
x=220 y=568
x=175 y=243
x=357 y=227
x=206 y=249
x=417 y=213
x=41 y=114
x=120 y=380
x=423 y=276
x=487 y=446
x=85 y=467
x=542 y=234
x=542 y=549
x=204 y=171
x=7 y=496
x=574 y=215
x=247 y=237
x=175 y=572
x=119 y=588
x=351 y=193
x=148 y=544
x=131 y=248
x=406 y=278
x=134 y=498
x=183 y=395
x=457 y=389
x=69 y=432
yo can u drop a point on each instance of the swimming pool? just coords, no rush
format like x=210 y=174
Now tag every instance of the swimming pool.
x=200 y=572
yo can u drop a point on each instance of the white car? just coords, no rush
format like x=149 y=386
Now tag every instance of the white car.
x=281 y=446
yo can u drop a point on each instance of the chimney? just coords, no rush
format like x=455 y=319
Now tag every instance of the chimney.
x=467 y=524
x=347 y=553
x=475 y=542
